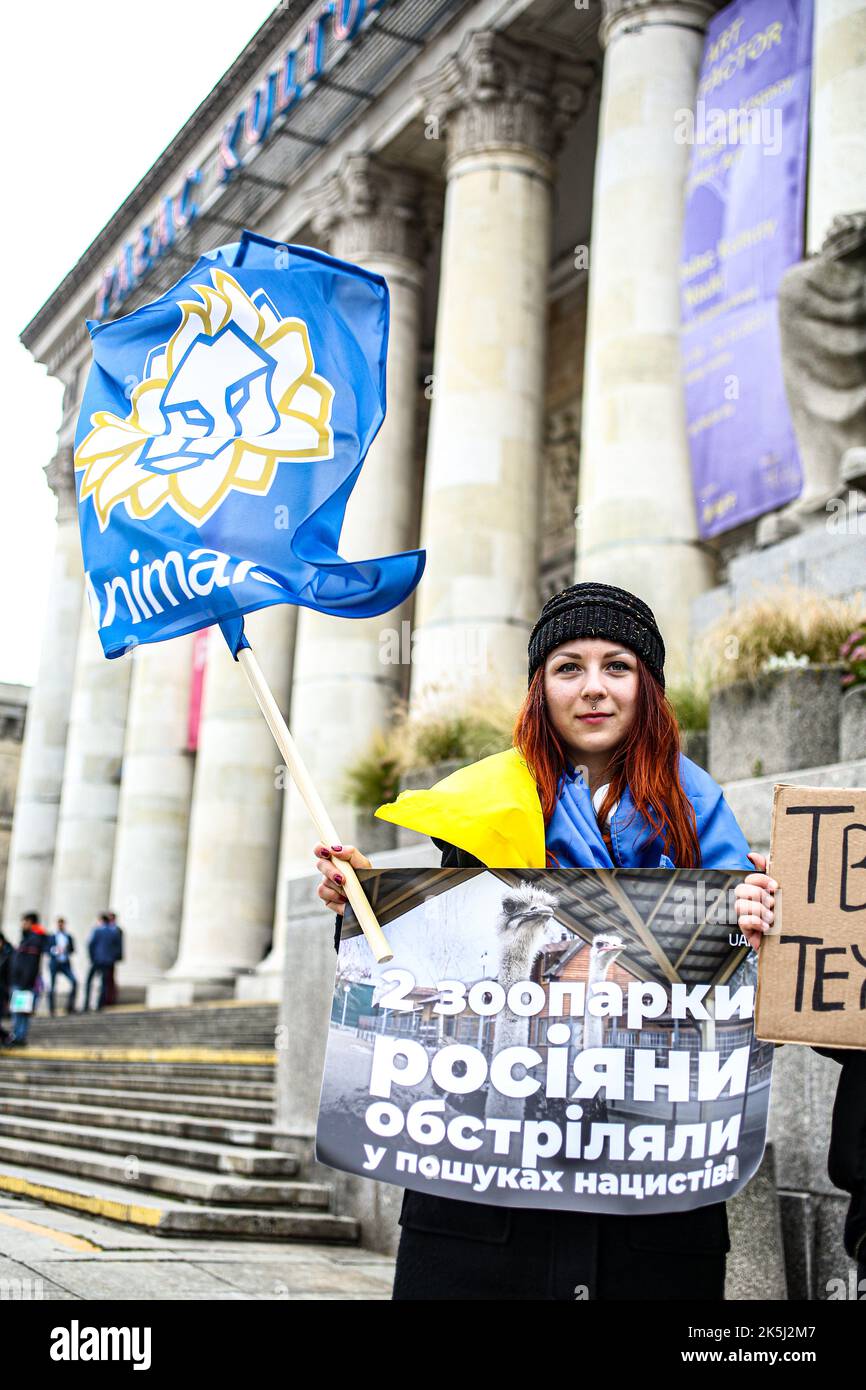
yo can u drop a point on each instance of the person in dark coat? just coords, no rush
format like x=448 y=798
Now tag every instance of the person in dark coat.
x=25 y=969
x=105 y=947
x=7 y=950
x=110 y=981
x=594 y=651
x=846 y=1158
x=60 y=963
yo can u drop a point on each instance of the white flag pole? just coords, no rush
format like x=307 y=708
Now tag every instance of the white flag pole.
x=327 y=834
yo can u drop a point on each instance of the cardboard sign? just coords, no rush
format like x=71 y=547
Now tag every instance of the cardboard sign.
x=570 y=1038
x=812 y=964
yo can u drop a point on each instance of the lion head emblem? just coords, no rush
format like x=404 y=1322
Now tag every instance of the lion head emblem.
x=232 y=394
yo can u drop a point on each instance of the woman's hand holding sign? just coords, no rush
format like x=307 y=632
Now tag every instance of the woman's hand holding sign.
x=755 y=900
x=331 y=890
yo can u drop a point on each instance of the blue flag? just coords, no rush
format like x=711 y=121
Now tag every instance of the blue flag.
x=222 y=430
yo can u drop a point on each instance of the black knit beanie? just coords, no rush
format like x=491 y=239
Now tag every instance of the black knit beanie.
x=598 y=610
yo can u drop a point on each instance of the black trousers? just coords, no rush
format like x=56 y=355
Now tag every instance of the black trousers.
x=451 y=1249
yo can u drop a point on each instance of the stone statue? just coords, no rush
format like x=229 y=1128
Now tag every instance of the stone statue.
x=822 y=322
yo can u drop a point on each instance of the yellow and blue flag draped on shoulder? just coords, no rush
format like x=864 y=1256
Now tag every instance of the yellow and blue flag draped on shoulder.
x=221 y=433
x=490 y=808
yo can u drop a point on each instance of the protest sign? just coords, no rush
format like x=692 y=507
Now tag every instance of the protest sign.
x=572 y=1038
x=812 y=976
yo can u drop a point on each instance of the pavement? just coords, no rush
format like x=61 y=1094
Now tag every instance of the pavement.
x=48 y=1253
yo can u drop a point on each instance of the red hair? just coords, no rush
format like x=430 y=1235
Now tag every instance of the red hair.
x=647 y=761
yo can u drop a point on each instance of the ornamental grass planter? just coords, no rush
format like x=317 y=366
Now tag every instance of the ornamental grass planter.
x=776 y=723
x=852 y=725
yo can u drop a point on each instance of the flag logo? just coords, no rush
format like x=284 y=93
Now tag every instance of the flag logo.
x=232 y=396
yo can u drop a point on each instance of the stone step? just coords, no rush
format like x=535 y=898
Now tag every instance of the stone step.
x=140 y=1013
x=153 y=1122
x=751 y=799
x=230 y=1079
x=161 y=1216
x=172 y=1179
x=189 y=1054
x=147 y=1022
x=258 y=1112
x=135 y=1146
x=85 y=1026
x=258 y=1040
x=193 y=1021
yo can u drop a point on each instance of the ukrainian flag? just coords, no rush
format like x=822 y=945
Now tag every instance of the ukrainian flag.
x=491 y=809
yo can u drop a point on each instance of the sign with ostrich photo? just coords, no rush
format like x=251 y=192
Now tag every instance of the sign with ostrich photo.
x=574 y=1038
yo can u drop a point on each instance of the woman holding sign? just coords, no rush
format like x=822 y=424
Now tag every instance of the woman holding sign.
x=597 y=778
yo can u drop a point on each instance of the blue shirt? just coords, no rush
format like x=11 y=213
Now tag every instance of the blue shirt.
x=574 y=835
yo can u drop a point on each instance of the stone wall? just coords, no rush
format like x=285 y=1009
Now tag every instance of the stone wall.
x=828 y=556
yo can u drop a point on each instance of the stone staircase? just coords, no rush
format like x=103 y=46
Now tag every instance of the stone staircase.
x=159 y=1119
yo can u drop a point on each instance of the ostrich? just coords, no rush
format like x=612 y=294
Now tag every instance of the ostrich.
x=522 y=929
x=605 y=949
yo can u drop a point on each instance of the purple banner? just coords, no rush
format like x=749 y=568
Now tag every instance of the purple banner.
x=743 y=227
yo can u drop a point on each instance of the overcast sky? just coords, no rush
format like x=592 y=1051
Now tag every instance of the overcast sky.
x=93 y=92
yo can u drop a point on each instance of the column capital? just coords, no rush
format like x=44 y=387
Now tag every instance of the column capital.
x=495 y=91
x=617 y=14
x=370 y=208
x=61 y=479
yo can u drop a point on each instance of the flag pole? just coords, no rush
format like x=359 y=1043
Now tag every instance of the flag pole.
x=327 y=834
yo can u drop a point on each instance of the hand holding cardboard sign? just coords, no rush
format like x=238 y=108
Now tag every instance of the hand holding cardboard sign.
x=755 y=902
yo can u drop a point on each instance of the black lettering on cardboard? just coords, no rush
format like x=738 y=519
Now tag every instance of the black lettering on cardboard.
x=859 y=864
x=861 y=960
x=816 y=812
x=820 y=1005
x=804 y=943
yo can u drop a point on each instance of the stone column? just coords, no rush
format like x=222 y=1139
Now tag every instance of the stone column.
x=83 y=858
x=837 y=145
x=347 y=676
x=153 y=814
x=231 y=861
x=501 y=107
x=34 y=828
x=636 y=520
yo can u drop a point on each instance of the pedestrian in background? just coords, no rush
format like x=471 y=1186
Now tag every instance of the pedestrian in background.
x=7 y=951
x=110 y=982
x=59 y=963
x=104 y=946
x=24 y=975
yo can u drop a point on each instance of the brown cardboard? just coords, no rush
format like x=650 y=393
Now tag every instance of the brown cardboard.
x=814 y=990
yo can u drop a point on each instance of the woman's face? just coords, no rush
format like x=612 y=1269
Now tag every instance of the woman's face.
x=587 y=671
